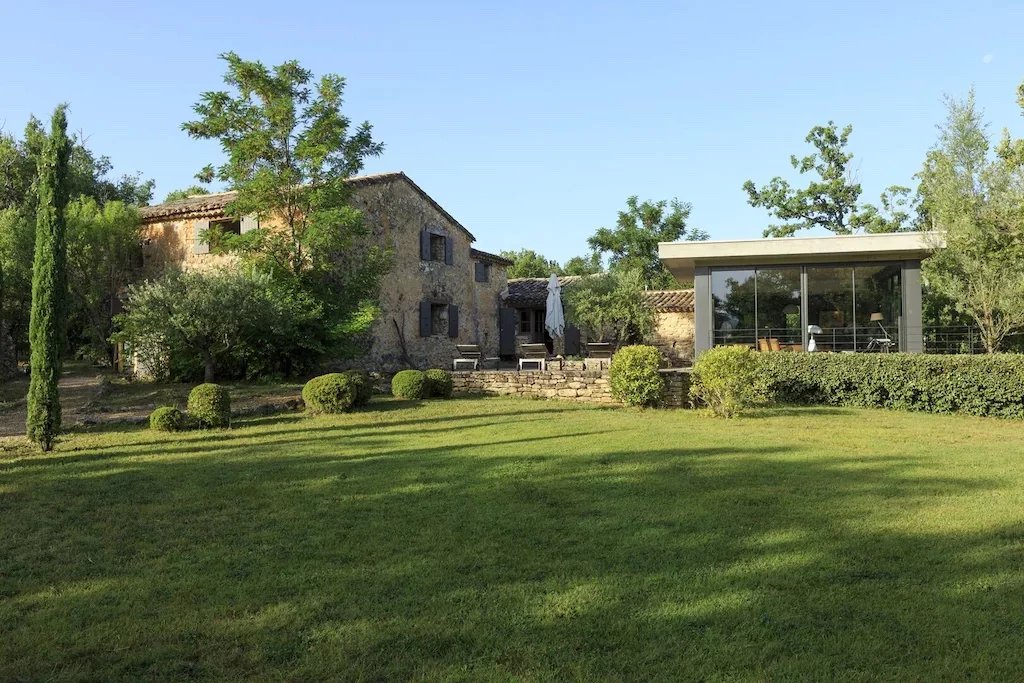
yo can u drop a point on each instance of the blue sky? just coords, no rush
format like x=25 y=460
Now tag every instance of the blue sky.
x=532 y=122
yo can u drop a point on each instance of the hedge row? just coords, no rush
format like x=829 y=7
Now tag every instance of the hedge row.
x=971 y=385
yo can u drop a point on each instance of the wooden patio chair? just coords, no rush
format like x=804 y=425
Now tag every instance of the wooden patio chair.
x=537 y=354
x=599 y=354
x=469 y=356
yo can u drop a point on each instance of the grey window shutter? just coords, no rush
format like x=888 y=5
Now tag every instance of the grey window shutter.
x=249 y=223
x=426 y=321
x=199 y=243
x=453 y=321
x=425 y=245
x=449 y=256
x=480 y=272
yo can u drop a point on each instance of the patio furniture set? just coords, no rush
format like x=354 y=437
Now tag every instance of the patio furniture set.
x=532 y=357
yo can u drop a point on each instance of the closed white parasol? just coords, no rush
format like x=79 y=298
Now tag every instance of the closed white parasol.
x=554 y=321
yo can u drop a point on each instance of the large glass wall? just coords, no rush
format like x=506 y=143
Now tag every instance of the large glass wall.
x=779 y=325
x=757 y=308
x=879 y=307
x=830 y=307
x=733 y=295
x=857 y=308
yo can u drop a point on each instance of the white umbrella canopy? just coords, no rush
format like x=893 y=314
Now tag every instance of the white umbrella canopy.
x=554 y=321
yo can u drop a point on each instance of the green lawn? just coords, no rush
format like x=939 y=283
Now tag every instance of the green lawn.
x=497 y=539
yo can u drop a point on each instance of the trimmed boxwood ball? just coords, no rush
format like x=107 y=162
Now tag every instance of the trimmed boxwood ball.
x=410 y=384
x=726 y=380
x=167 y=419
x=332 y=393
x=439 y=383
x=210 y=405
x=634 y=377
x=362 y=385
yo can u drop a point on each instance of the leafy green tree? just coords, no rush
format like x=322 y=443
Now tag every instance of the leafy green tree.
x=827 y=202
x=289 y=151
x=528 y=263
x=104 y=250
x=975 y=200
x=221 y=324
x=49 y=287
x=898 y=211
x=185 y=193
x=88 y=176
x=832 y=201
x=610 y=307
x=633 y=243
x=583 y=265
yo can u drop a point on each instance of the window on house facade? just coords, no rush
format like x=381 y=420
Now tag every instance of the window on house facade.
x=219 y=232
x=439 y=319
x=482 y=271
x=525 y=321
x=436 y=246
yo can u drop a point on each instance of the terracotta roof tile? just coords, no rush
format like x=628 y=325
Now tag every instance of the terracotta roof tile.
x=670 y=300
x=532 y=292
x=480 y=255
x=529 y=292
x=212 y=205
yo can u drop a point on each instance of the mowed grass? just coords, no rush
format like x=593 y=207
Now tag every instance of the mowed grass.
x=494 y=539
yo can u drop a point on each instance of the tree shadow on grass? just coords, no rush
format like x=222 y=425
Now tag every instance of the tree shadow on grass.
x=510 y=558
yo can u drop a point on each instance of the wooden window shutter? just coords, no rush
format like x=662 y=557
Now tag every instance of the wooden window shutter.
x=249 y=223
x=424 y=245
x=449 y=256
x=426 y=320
x=480 y=273
x=200 y=245
x=453 y=321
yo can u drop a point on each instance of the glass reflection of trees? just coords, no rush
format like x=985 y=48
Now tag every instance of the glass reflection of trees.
x=859 y=308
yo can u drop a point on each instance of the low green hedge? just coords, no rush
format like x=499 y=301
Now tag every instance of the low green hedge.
x=167 y=419
x=409 y=384
x=991 y=385
x=439 y=383
x=331 y=393
x=209 y=405
x=634 y=377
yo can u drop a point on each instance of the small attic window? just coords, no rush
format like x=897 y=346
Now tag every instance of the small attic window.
x=219 y=230
x=228 y=226
x=437 y=247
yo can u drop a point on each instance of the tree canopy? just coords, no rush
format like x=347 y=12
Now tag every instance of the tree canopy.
x=89 y=176
x=633 y=243
x=975 y=200
x=288 y=151
x=528 y=263
x=832 y=199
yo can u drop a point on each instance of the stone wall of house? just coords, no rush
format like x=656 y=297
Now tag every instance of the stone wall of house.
x=394 y=214
x=673 y=335
x=586 y=386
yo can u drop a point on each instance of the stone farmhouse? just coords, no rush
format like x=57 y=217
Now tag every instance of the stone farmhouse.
x=439 y=292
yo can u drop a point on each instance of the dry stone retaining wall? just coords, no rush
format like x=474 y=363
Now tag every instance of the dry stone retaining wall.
x=587 y=386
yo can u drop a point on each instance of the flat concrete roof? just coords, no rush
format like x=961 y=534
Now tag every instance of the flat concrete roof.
x=681 y=258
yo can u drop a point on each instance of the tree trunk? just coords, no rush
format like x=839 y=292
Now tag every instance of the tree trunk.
x=210 y=368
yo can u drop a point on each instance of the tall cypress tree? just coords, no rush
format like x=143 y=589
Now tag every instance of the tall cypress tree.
x=49 y=287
